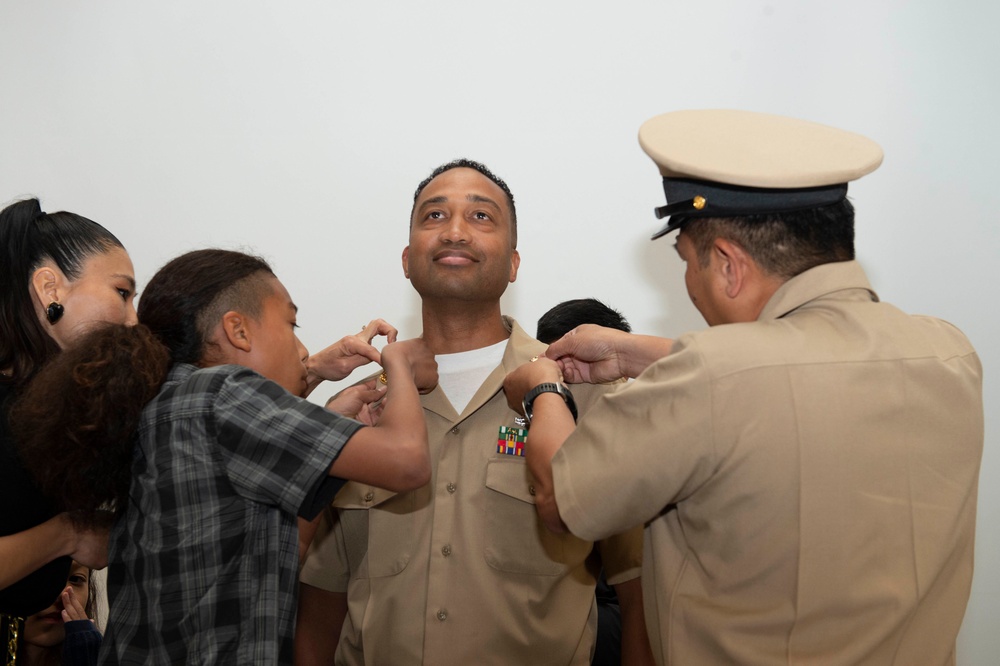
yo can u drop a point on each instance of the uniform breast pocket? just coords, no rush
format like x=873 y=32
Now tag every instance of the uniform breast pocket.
x=385 y=529
x=516 y=540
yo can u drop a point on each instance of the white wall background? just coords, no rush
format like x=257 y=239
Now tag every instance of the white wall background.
x=299 y=130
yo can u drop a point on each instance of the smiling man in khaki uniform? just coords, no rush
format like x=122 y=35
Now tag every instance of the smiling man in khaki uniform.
x=462 y=571
x=808 y=464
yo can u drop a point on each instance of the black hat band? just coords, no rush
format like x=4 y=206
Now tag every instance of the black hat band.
x=699 y=198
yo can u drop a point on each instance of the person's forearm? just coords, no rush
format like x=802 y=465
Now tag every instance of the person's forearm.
x=636 y=650
x=551 y=424
x=317 y=631
x=641 y=351
x=393 y=453
x=24 y=552
x=402 y=421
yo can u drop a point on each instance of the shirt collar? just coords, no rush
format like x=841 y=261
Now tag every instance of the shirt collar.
x=815 y=283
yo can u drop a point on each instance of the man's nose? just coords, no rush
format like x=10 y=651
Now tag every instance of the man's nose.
x=456 y=231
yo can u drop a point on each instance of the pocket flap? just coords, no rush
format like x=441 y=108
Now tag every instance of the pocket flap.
x=361 y=496
x=511 y=478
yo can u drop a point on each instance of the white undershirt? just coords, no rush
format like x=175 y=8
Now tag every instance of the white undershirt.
x=460 y=375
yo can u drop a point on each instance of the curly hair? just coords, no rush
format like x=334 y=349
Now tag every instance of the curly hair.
x=82 y=409
x=76 y=421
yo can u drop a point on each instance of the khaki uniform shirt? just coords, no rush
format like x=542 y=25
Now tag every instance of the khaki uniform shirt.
x=462 y=571
x=810 y=479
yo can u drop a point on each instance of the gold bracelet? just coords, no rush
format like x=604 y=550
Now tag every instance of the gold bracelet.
x=13 y=624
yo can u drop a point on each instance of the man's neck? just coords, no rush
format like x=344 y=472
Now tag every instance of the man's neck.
x=454 y=328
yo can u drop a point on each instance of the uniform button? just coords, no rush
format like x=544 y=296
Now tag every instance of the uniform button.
x=369 y=496
x=454 y=430
x=446 y=551
x=531 y=490
x=451 y=487
x=442 y=615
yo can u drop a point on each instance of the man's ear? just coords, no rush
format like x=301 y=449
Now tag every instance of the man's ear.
x=237 y=332
x=732 y=265
x=406 y=262
x=47 y=284
x=515 y=262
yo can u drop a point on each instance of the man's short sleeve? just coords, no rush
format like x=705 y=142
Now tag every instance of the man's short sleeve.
x=638 y=449
x=326 y=566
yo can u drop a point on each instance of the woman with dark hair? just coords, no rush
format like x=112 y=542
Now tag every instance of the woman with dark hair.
x=199 y=437
x=60 y=273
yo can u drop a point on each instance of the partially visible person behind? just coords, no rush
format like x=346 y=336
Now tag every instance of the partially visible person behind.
x=555 y=323
x=60 y=273
x=564 y=317
x=205 y=549
x=807 y=466
x=64 y=633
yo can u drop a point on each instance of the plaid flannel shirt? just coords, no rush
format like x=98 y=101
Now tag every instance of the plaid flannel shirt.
x=204 y=561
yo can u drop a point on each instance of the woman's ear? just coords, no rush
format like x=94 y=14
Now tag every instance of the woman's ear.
x=47 y=283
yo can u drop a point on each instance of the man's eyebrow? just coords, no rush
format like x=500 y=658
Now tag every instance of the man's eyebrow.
x=478 y=198
x=295 y=308
x=433 y=201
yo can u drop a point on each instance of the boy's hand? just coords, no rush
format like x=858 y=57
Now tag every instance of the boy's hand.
x=418 y=357
x=361 y=402
x=347 y=354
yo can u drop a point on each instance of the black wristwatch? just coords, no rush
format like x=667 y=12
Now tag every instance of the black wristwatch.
x=530 y=396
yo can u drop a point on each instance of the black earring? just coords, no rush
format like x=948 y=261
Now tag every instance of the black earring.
x=54 y=312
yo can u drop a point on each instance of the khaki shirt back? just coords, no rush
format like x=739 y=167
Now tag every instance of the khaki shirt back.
x=811 y=479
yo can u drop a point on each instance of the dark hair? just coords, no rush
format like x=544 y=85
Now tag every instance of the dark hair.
x=481 y=168
x=566 y=316
x=75 y=422
x=186 y=297
x=783 y=244
x=29 y=238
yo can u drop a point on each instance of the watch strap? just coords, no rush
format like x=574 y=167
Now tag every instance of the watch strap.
x=548 y=387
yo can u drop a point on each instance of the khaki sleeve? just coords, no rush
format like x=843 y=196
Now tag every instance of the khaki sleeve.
x=638 y=449
x=621 y=555
x=326 y=565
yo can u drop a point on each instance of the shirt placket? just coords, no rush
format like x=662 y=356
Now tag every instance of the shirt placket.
x=446 y=551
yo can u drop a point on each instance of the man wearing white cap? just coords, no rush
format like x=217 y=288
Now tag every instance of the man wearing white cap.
x=807 y=467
